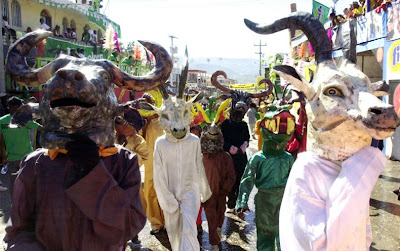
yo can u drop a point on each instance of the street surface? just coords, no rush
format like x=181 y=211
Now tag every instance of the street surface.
x=241 y=235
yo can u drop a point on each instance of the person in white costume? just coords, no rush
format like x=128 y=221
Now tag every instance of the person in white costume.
x=179 y=176
x=326 y=201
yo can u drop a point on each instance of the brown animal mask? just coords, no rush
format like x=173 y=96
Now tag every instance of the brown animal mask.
x=78 y=94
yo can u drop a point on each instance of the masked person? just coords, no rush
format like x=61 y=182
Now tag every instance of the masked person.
x=268 y=170
x=221 y=177
x=236 y=137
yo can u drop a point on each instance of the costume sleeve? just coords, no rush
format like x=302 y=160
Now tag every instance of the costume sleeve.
x=205 y=190
x=247 y=183
x=115 y=209
x=227 y=142
x=246 y=134
x=230 y=175
x=257 y=129
x=348 y=203
x=166 y=199
x=20 y=229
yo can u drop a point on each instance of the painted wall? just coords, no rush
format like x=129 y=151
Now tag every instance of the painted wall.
x=391 y=73
x=30 y=15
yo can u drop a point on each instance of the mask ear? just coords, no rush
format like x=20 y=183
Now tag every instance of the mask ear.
x=290 y=74
x=380 y=88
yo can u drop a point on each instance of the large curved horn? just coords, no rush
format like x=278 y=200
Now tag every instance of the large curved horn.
x=264 y=93
x=217 y=84
x=183 y=78
x=164 y=92
x=311 y=27
x=16 y=65
x=154 y=78
x=350 y=42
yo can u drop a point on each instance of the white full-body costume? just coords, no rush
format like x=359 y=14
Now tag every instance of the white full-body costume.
x=181 y=183
x=326 y=206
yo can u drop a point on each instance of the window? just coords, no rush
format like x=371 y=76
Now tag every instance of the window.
x=15 y=13
x=65 y=24
x=72 y=24
x=4 y=5
x=46 y=16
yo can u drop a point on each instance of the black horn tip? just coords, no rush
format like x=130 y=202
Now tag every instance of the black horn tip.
x=251 y=25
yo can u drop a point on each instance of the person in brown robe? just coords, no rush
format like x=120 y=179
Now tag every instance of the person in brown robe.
x=77 y=200
x=221 y=177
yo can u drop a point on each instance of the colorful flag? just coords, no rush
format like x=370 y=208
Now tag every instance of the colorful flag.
x=320 y=11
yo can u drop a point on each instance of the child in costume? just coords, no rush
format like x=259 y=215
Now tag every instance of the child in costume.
x=221 y=176
x=268 y=170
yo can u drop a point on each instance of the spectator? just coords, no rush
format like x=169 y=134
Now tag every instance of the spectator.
x=95 y=36
x=129 y=61
x=73 y=34
x=81 y=53
x=29 y=29
x=114 y=56
x=347 y=13
x=92 y=41
x=85 y=36
x=73 y=53
x=16 y=140
x=43 y=25
x=56 y=31
x=356 y=9
x=67 y=33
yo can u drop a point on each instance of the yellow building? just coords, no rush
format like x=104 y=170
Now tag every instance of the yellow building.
x=22 y=14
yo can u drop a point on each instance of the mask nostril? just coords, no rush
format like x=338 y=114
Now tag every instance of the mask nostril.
x=375 y=111
x=78 y=76
x=175 y=130
x=62 y=74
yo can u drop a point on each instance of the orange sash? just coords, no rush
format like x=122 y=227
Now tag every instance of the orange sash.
x=103 y=152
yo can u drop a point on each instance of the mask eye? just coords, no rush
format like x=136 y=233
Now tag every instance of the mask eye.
x=105 y=76
x=332 y=91
x=164 y=116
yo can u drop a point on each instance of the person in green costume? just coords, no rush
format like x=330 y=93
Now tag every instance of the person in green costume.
x=269 y=170
x=128 y=61
x=211 y=111
x=114 y=56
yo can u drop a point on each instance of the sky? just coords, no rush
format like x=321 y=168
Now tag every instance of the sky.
x=209 y=28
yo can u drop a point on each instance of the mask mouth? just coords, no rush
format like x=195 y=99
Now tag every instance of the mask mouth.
x=65 y=102
x=179 y=133
x=282 y=123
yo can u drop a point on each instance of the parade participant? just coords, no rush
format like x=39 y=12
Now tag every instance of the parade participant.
x=126 y=128
x=80 y=192
x=179 y=176
x=220 y=173
x=15 y=141
x=326 y=201
x=268 y=170
x=251 y=114
x=236 y=132
x=257 y=130
x=151 y=131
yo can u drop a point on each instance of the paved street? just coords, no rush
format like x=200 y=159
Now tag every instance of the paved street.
x=241 y=235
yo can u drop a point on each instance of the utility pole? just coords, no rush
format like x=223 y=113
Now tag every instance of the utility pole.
x=2 y=73
x=260 y=53
x=172 y=57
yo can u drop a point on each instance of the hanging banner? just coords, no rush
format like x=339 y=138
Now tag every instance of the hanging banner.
x=320 y=11
x=369 y=27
